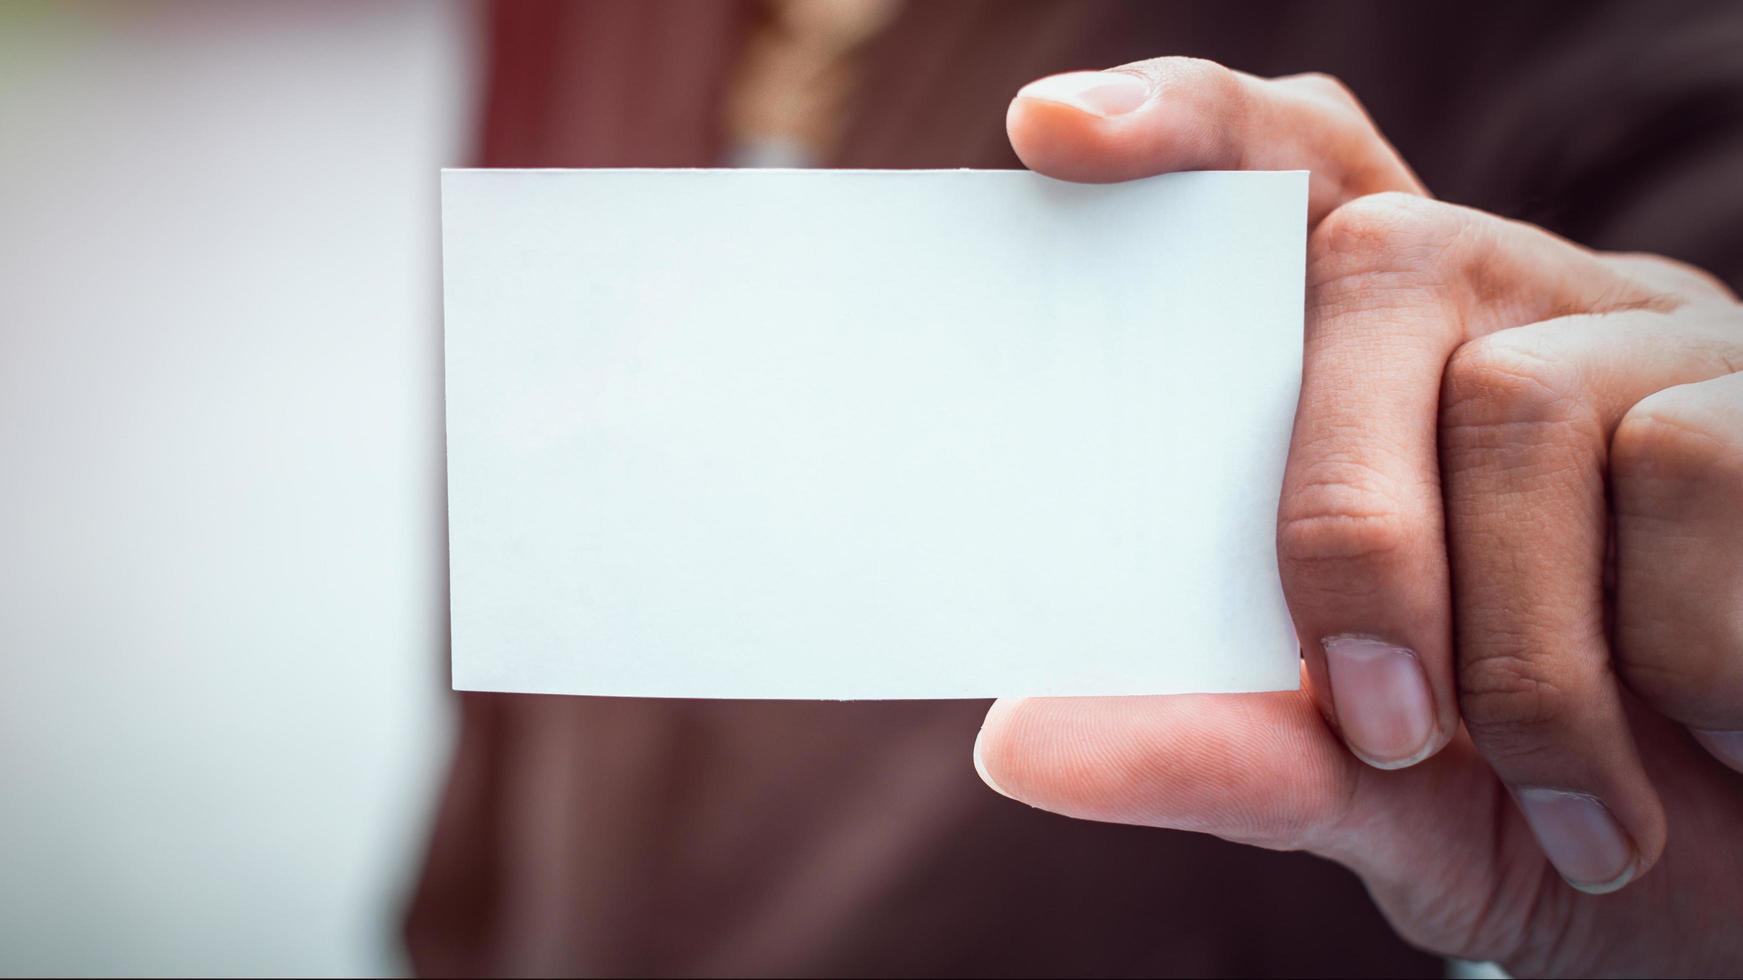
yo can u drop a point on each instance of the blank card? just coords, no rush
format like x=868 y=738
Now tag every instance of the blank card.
x=869 y=434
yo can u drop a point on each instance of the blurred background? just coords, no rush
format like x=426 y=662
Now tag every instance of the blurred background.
x=222 y=603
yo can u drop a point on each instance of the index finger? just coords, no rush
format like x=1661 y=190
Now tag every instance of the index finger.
x=1170 y=114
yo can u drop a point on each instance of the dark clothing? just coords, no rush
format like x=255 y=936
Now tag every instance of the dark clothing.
x=587 y=835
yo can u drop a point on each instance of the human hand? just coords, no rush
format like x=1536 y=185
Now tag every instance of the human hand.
x=1511 y=537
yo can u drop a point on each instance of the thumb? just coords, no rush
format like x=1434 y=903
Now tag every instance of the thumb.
x=1431 y=842
x=1258 y=769
x=1170 y=114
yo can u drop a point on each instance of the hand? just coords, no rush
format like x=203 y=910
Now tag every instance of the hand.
x=1511 y=537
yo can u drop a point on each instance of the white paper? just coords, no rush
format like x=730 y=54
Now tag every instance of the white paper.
x=869 y=434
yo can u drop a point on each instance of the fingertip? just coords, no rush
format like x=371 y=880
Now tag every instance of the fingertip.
x=1604 y=888
x=1386 y=709
x=1134 y=121
x=1098 y=94
x=1427 y=752
x=993 y=723
x=1583 y=839
x=1256 y=768
x=1056 y=139
x=1727 y=747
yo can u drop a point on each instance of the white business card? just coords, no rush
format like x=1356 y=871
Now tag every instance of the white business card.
x=869 y=434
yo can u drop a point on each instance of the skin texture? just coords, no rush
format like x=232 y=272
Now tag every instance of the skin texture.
x=1516 y=485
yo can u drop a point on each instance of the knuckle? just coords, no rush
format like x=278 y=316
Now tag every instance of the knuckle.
x=1686 y=281
x=1387 y=234
x=1333 y=516
x=1695 y=685
x=1199 y=76
x=1328 y=86
x=1508 y=701
x=1326 y=91
x=1668 y=439
x=1504 y=379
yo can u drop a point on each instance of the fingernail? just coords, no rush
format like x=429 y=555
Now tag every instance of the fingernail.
x=1580 y=837
x=1383 y=704
x=1727 y=747
x=1099 y=93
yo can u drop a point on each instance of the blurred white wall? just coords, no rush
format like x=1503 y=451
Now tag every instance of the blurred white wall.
x=222 y=569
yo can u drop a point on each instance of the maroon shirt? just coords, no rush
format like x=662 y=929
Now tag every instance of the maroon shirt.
x=595 y=835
